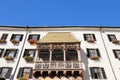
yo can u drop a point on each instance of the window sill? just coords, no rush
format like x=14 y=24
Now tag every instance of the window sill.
x=28 y=58
x=15 y=41
x=32 y=41
x=94 y=58
x=2 y=41
x=115 y=41
x=8 y=58
x=91 y=41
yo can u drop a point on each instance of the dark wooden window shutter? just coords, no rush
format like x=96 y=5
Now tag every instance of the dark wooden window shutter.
x=94 y=37
x=103 y=72
x=4 y=36
x=1 y=52
x=88 y=53
x=8 y=73
x=6 y=52
x=30 y=37
x=38 y=37
x=20 y=73
x=16 y=50
x=98 y=52
x=30 y=73
x=91 y=71
x=21 y=36
x=115 y=54
x=85 y=37
x=13 y=37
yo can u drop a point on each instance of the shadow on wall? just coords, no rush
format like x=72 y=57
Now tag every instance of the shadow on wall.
x=85 y=62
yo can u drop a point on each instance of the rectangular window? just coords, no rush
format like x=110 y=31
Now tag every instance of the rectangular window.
x=97 y=73
x=11 y=52
x=17 y=37
x=1 y=52
x=57 y=55
x=89 y=37
x=34 y=37
x=25 y=71
x=71 y=54
x=5 y=72
x=29 y=52
x=117 y=53
x=112 y=38
x=4 y=36
x=93 y=53
x=44 y=55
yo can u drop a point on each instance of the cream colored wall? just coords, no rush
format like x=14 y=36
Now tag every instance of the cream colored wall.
x=9 y=45
x=78 y=33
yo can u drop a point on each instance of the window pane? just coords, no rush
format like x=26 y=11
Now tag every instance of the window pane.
x=31 y=53
x=11 y=53
x=92 y=52
x=17 y=37
x=34 y=37
x=44 y=55
x=4 y=72
x=57 y=55
x=71 y=55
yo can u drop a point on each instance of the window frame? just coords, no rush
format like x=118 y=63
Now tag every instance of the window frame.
x=31 y=35
x=44 y=51
x=109 y=37
x=7 y=52
x=73 y=52
x=21 y=72
x=100 y=74
x=26 y=52
x=91 y=38
x=56 y=53
x=13 y=37
x=95 y=54
x=8 y=73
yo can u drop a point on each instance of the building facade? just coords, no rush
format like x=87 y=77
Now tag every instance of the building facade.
x=60 y=53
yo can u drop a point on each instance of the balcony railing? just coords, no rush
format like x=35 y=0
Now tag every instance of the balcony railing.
x=58 y=65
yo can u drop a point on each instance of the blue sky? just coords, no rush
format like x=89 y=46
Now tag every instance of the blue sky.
x=60 y=12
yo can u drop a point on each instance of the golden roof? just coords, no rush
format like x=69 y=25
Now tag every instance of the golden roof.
x=58 y=37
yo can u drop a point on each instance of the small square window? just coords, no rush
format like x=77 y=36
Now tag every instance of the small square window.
x=34 y=37
x=117 y=53
x=5 y=72
x=25 y=71
x=97 y=73
x=89 y=37
x=93 y=54
x=10 y=54
x=29 y=54
x=17 y=37
x=112 y=38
